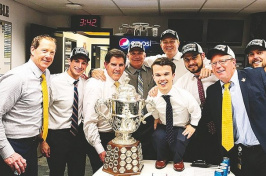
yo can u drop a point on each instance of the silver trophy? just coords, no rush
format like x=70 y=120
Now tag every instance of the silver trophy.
x=125 y=114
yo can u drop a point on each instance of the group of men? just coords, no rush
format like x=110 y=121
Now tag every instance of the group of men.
x=185 y=87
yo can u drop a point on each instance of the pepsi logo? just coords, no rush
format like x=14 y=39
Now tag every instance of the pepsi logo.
x=124 y=43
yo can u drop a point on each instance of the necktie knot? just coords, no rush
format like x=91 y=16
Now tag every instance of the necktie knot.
x=117 y=84
x=43 y=76
x=226 y=85
x=75 y=82
x=166 y=98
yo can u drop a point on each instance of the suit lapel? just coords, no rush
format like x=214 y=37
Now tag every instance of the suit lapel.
x=244 y=89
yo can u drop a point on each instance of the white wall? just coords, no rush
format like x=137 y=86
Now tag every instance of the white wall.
x=20 y=17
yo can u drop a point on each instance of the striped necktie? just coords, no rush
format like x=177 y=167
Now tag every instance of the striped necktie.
x=140 y=83
x=45 y=101
x=201 y=92
x=74 y=117
x=227 y=120
x=169 y=119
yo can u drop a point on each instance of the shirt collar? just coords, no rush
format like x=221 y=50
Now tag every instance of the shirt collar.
x=36 y=71
x=133 y=70
x=70 y=80
x=233 y=80
x=177 y=57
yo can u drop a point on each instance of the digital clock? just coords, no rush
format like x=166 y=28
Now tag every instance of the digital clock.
x=85 y=22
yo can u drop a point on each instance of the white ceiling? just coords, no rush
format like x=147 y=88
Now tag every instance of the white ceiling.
x=145 y=7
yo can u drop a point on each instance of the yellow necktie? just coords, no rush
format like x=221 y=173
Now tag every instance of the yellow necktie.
x=117 y=84
x=45 y=107
x=227 y=120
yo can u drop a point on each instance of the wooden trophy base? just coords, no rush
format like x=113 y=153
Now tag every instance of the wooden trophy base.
x=123 y=159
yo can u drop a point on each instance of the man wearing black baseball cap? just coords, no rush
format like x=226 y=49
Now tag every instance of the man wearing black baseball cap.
x=141 y=78
x=256 y=52
x=233 y=119
x=65 y=141
x=169 y=42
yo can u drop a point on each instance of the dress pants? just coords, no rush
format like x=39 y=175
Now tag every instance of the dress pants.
x=144 y=135
x=95 y=160
x=27 y=148
x=166 y=151
x=253 y=161
x=66 y=149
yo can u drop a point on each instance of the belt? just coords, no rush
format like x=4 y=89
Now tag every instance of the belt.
x=30 y=139
x=241 y=147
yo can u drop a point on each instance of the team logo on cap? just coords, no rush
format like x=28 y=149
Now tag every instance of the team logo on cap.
x=256 y=42
x=124 y=43
x=220 y=47
x=189 y=47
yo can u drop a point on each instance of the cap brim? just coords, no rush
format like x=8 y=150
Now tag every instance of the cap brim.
x=213 y=52
x=136 y=48
x=168 y=35
x=252 y=47
x=81 y=56
x=196 y=52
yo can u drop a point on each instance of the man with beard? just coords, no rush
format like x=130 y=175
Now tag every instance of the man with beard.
x=256 y=52
x=65 y=141
x=193 y=57
x=169 y=43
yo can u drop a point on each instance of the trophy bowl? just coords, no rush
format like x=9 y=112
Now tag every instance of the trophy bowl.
x=125 y=114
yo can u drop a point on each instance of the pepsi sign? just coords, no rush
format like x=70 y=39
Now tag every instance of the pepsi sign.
x=151 y=44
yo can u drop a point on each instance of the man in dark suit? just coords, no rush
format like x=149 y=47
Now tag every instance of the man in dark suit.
x=247 y=148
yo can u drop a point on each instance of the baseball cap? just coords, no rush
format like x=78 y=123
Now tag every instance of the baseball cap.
x=256 y=43
x=169 y=32
x=136 y=45
x=191 y=47
x=221 y=49
x=79 y=51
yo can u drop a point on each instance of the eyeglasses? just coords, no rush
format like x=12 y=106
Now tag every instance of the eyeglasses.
x=221 y=62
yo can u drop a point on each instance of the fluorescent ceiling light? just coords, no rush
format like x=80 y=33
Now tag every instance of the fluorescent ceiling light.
x=74 y=6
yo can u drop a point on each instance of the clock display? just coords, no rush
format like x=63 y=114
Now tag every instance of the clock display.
x=87 y=22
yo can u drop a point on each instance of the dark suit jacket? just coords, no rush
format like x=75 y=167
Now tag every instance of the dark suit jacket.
x=253 y=87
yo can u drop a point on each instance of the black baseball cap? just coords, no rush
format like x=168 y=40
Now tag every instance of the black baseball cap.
x=169 y=32
x=191 y=47
x=220 y=49
x=255 y=44
x=136 y=45
x=79 y=51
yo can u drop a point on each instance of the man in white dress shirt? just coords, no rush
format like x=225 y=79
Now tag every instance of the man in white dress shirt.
x=65 y=145
x=170 y=44
x=194 y=57
x=176 y=117
x=21 y=111
x=97 y=130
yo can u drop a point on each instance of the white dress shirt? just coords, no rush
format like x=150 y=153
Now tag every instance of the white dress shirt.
x=20 y=104
x=190 y=83
x=243 y=132
x=93 y=123
x=186 y=110
x=61 y=101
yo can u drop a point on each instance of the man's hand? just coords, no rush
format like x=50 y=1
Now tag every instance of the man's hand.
x=154 y=91
x=98 y=74
x=156 y=121
x=189 y=131
x=17 y=163
x=205 y=72
x=102 y=156
x=45 y=149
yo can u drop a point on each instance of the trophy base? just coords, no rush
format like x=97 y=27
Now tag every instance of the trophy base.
x=123 y=159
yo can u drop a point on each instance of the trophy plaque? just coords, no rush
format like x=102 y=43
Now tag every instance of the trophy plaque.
x=124 y=153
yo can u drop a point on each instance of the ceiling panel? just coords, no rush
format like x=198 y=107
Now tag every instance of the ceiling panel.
x=145 y=7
